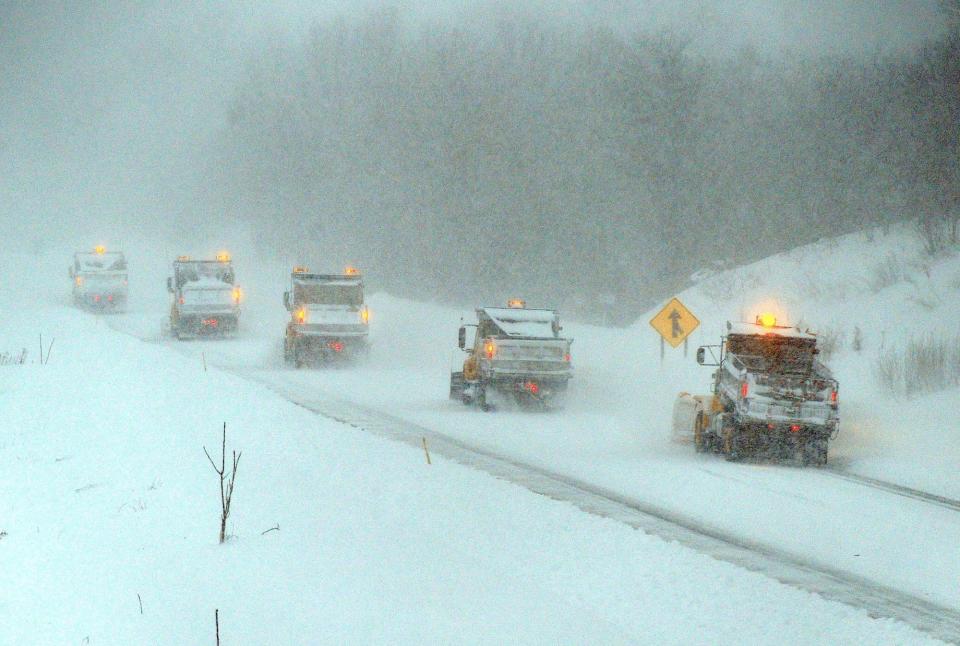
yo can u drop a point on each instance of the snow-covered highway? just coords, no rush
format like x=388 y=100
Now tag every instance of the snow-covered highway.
x=124 y=504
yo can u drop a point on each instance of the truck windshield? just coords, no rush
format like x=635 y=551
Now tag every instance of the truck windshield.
x=109 y=261
x=328 y=294
x=774 y=353
x=194 y=271
x=208 y=297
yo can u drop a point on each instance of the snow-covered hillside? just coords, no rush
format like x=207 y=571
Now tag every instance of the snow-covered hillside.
x=107 y=501
x=869 y=296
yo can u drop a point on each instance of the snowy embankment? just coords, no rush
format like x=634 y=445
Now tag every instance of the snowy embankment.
x=106 y=495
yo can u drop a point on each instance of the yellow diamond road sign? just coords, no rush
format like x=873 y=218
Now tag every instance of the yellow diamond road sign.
x=674 y=322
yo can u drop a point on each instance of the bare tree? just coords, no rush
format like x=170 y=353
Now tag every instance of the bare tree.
x=226 y=481
x=576 y=164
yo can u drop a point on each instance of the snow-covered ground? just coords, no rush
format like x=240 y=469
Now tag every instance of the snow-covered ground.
x=105 y=493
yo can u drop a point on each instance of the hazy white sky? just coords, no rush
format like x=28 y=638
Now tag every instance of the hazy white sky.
x=103 y=104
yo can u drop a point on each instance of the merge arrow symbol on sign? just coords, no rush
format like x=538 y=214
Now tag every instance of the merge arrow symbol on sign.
x=675 y=329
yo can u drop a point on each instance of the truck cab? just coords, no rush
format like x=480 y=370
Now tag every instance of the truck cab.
x=206 y=299
x=514 y=354
x=99 y=279
x=328 y=317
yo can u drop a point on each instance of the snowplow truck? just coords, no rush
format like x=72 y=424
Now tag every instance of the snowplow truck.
x=772 y=397
x=328 y=317
x=206 y=299
x=99 y=280
x=516 y=355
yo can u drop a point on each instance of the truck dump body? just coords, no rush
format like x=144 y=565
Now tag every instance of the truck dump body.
x=206 y=299
x=99 y=280
x=526 y=343
x=518 y=354
x=784 y=382
x=328 y=317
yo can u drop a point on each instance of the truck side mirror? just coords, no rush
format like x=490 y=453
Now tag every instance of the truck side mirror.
x=462 y=337
x=701 y=353
x=169 y=284
x=286 y=300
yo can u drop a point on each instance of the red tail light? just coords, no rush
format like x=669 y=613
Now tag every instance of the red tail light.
x=532 y=387
x=110 y=298
x=336 y=346
x=181 y=300
x=833 y=396
x=794 y=427
x=566 y=357
x=490 y=349
x=96 y=298
x=744 y=389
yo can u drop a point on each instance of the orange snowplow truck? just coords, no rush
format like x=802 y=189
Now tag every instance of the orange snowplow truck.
x=772 y=396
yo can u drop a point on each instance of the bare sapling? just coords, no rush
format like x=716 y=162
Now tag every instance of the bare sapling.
x=226 y=481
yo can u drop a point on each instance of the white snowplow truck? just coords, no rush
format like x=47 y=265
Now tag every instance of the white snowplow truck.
x=328 y=318
x=772 y=397
x=206 y=299
x=515 y=355
x=99 y=280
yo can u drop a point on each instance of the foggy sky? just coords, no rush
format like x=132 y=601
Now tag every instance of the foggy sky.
x=104 y=107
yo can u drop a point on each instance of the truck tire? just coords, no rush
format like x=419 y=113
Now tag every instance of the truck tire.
x=734 y=444
x=700 y=442
x=815 y=452
x=482 y=400
x=456 y=386
x=298 y=358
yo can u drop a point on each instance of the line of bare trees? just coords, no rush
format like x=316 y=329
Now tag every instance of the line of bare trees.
x=577 y=167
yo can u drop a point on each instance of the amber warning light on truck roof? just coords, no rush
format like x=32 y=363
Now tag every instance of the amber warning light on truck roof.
x=300 y=269
x=351 y=271
x=767 y=319
x=99 y=250
x=516 y=303
x=183 y=258
x=223 y=256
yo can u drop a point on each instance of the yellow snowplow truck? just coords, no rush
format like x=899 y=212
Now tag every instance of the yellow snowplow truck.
x=99 y=280
x=206 y=299
x=328 y=317
x=516 y=354
x=771 y=396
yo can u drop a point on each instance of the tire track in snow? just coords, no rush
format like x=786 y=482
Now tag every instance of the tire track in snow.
x=891 y=487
